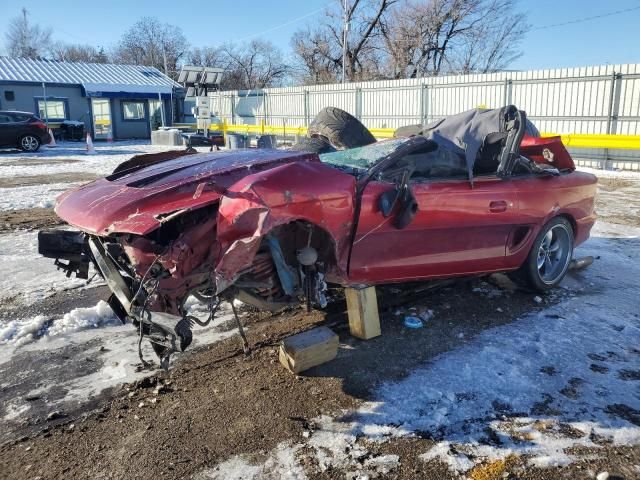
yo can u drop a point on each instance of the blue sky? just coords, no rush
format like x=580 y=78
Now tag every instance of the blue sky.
x=614 y=39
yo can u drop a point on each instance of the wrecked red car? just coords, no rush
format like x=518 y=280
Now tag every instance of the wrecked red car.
x=467 y=195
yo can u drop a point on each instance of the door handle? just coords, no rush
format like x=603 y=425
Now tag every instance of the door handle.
x=498 y=206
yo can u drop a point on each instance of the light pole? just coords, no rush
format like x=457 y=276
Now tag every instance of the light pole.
x=345 y=30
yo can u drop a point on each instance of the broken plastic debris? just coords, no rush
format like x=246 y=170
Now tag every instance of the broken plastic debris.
x=412 y=322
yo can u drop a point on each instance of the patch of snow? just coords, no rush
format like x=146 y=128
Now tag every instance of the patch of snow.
x=14 y=410
x=444 y=452
x=282 y=464
x=118 y=360
x=42 y=196
x=496 y=396
x=22 y=331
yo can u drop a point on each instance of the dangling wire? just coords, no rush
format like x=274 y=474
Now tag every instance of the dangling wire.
x=151 y=292
x=245 y=343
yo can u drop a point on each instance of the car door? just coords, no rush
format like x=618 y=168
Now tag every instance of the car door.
x=7 y=130
x=457 y=229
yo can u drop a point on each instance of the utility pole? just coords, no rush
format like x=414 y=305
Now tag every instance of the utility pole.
x=345 y=33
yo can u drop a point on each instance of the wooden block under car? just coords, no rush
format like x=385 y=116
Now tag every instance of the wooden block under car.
x=307 y=349
x=362 y=308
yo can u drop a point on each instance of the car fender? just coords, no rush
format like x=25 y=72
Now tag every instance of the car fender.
x=258 y=203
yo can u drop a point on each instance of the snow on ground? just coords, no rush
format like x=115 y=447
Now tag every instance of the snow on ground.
x=563 y=377
x=72 y=157
x=20 y=332
x=30 y=276
x=70 y=340
x=43 y=196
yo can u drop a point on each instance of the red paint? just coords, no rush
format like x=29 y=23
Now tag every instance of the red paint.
x=457 y=230
x=532 y=147
x=109 y=206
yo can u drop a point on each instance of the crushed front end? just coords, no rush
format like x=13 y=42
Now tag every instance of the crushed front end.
x=218 y=227
x=150 y=276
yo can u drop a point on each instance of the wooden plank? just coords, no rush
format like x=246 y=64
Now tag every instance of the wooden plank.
x=307 y=349
x=362 y=308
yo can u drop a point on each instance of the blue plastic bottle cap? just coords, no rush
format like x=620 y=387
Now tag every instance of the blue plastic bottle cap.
x=412 y=322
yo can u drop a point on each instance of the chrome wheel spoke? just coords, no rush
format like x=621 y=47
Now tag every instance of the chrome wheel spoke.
x=554 y=254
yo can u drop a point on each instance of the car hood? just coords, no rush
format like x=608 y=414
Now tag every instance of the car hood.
x=139 y=201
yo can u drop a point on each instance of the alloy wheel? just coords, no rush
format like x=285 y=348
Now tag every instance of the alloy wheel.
x=29 y=143
x=554 y=254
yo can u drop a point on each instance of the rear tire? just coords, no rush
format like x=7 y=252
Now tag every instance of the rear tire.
x=29 y=143
x=550 y=255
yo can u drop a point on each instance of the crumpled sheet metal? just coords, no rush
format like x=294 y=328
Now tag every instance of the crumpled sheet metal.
x=225 y=246
x=261 y=202
x=190 y=260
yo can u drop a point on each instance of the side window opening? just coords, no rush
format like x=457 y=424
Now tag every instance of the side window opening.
x=427 y=164
x=9 y=95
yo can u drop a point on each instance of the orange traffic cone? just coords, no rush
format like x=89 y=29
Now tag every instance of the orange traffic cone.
x=109 y=136
x=52 y=140
x=90 y=149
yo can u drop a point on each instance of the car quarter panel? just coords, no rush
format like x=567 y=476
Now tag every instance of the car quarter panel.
x=543 y=197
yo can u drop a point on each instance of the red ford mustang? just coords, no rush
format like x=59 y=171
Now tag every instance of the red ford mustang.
x=467 y=195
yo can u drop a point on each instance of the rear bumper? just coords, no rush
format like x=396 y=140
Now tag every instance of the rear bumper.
x=583 y=228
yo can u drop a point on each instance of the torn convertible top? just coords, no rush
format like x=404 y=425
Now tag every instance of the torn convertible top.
x=465 y=132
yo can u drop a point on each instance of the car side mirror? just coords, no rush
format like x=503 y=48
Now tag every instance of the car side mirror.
x=408 y=209
x=388 y=200
x=402 y=194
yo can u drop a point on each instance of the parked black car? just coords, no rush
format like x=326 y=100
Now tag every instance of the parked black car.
x=22 y=130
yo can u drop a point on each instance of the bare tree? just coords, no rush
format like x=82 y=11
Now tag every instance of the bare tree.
x=494 y=44
x=206 y=57
x=149 y=42
x=25 y=39
x=319 y=51
x=432 y=36
x=257 y=64
x=78 y=53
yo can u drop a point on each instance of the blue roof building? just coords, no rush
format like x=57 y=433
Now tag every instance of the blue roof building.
x=126 y=101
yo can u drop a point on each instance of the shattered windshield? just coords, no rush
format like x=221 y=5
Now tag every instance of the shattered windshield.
x=362 y=157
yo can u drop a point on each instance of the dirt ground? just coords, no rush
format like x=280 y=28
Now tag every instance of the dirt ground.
x=217 y=402
x=28 y=219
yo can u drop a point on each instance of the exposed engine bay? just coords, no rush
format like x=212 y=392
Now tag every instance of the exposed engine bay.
x=152 y=276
